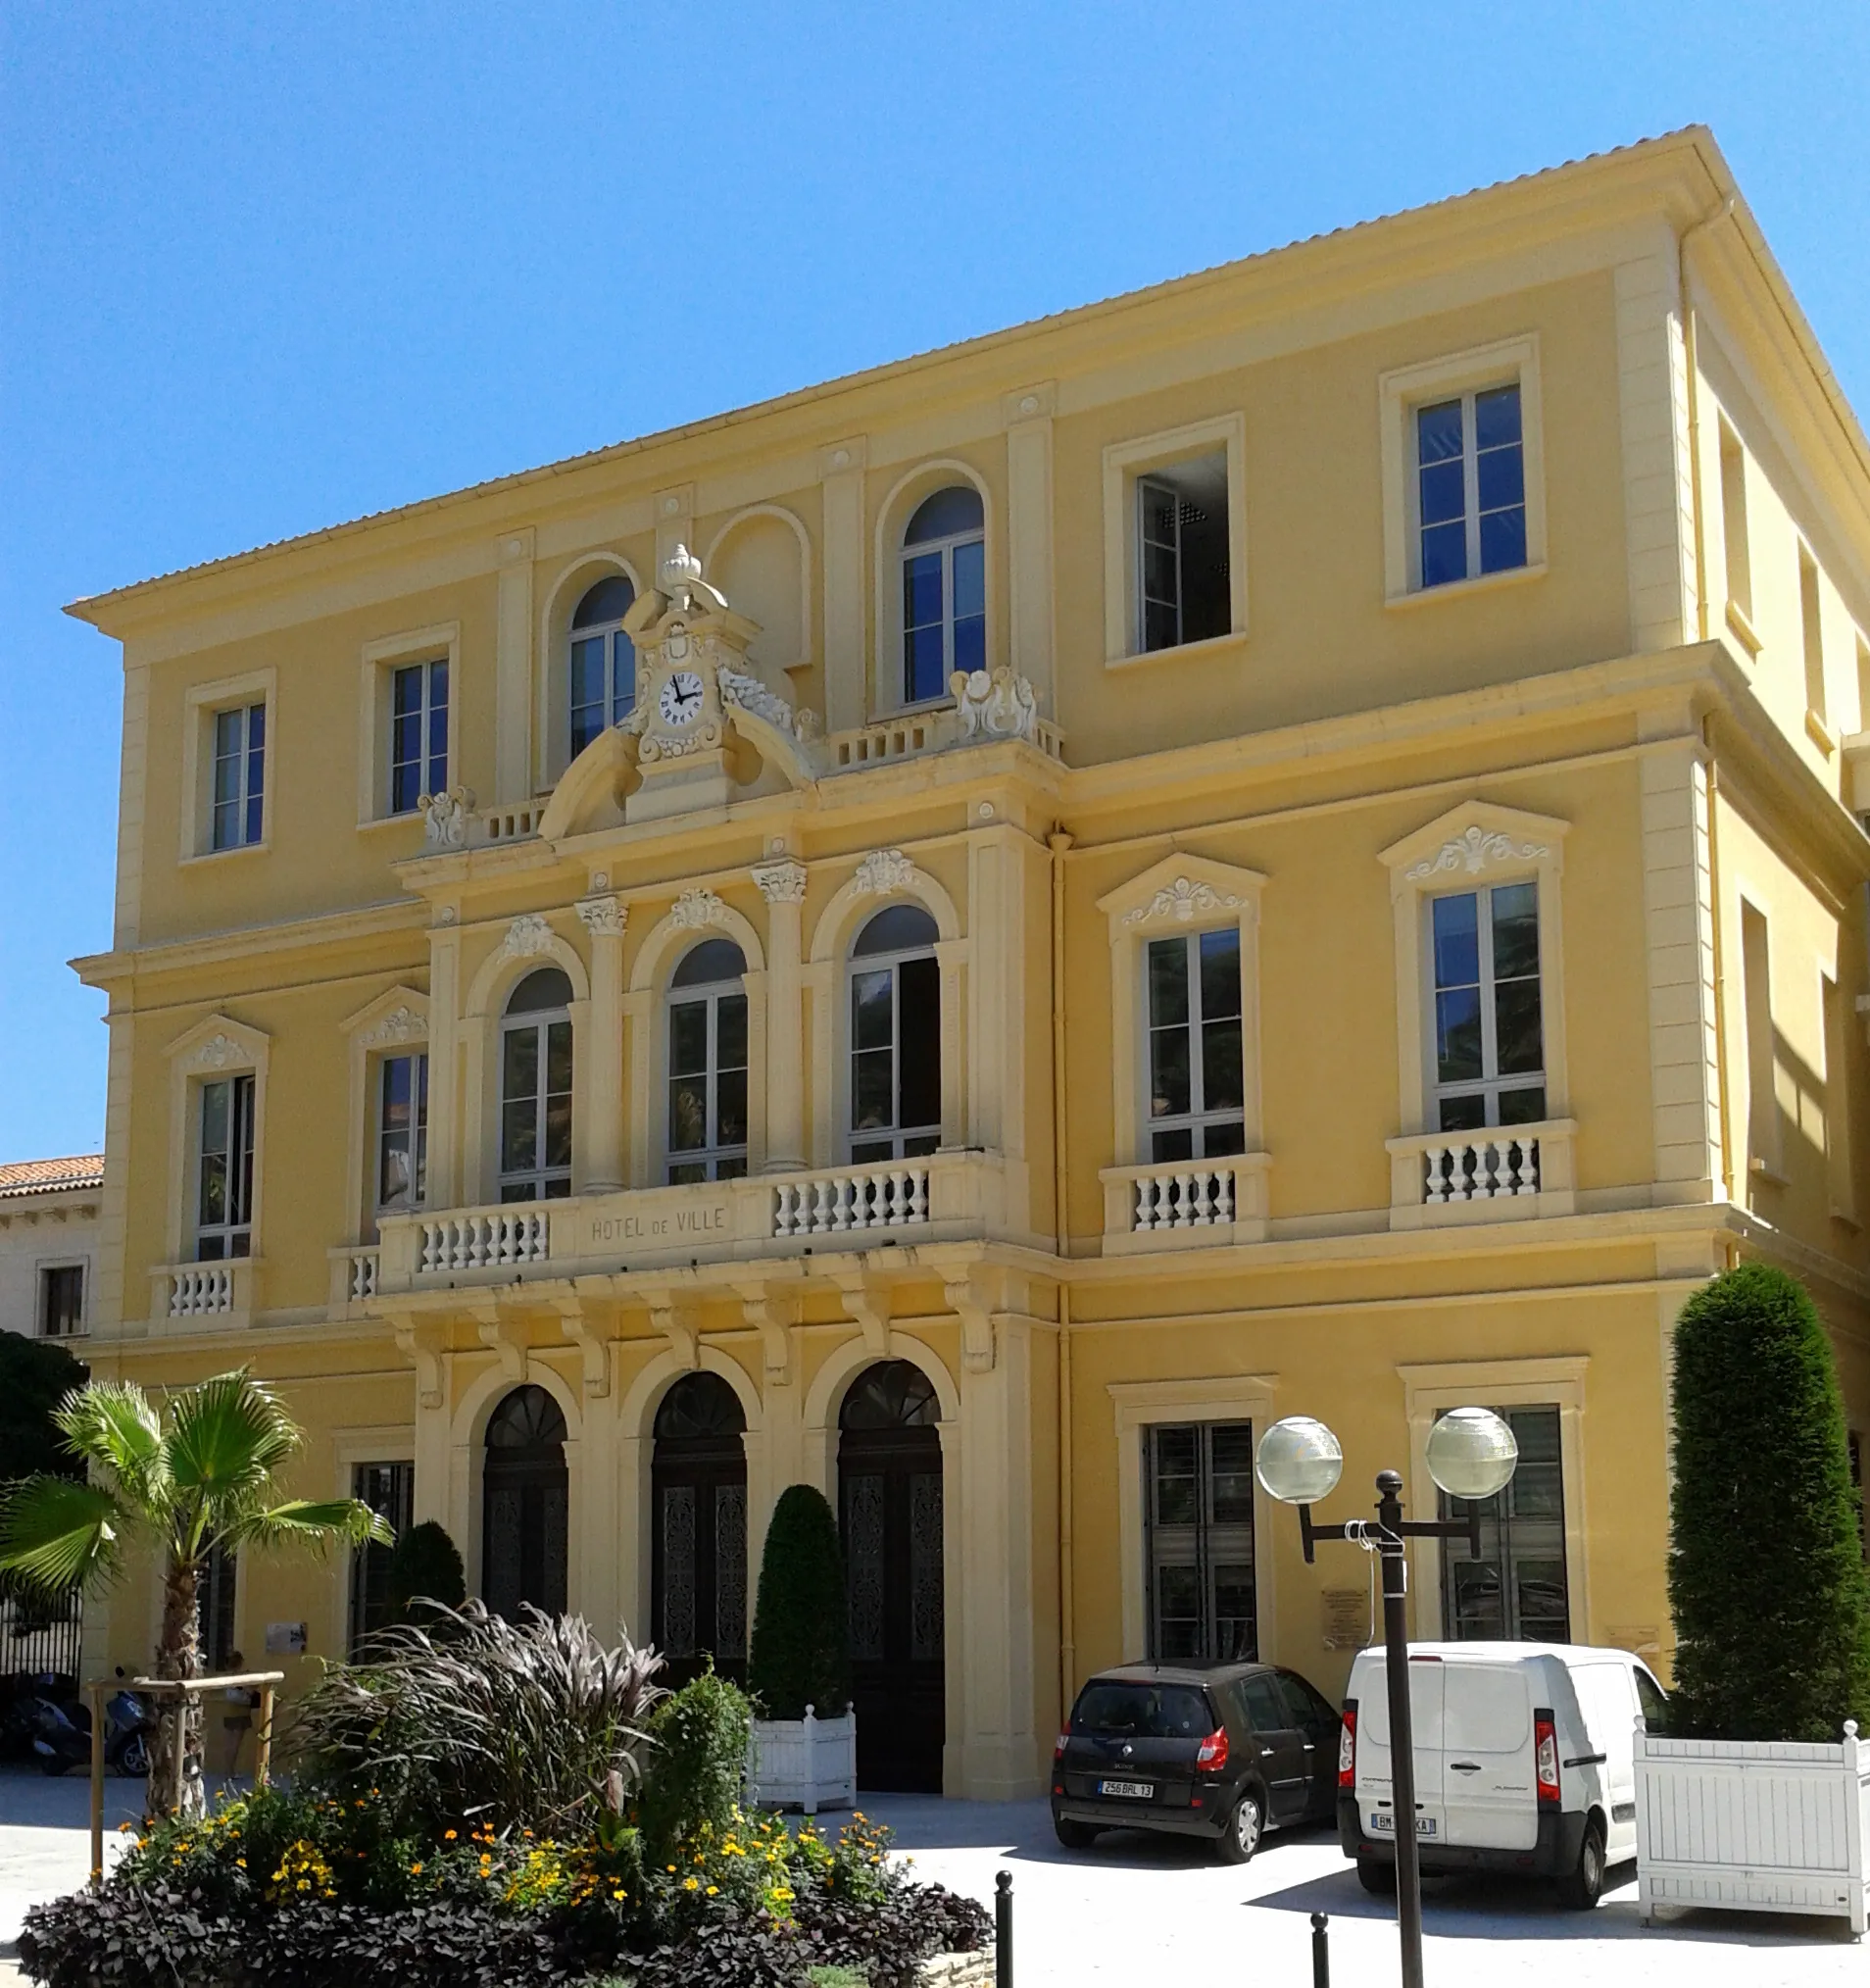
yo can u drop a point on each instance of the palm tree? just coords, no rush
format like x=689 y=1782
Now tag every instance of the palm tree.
x=197 y=1474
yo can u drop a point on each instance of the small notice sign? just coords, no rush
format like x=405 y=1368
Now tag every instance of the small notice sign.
x=285 y=1639
x=1346 y=1618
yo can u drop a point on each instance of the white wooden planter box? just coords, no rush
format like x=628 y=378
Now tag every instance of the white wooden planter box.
x=1753 y=1825
x=807 y=1763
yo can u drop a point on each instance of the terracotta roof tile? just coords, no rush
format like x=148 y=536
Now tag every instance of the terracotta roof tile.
x=48 y=1176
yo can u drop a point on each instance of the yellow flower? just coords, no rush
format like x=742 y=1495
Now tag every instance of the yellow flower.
x=714 y=1890
x=415 y=1870
x=241 y=1862
x=672 y=1867
x=448 y=1836
x=616 y=1894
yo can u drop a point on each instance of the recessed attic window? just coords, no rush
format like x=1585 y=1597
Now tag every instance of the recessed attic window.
x=1182 y=589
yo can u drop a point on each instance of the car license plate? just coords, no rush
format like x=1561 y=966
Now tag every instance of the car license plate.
x=1383 y=1824
x=1139 y=1791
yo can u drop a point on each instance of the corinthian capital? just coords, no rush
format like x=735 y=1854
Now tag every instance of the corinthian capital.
x=782 y=880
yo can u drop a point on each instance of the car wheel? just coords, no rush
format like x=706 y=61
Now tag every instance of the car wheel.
x=1074 y=1836
x=1376 y=1876
x=1240 y=1837
x=1582 y=1888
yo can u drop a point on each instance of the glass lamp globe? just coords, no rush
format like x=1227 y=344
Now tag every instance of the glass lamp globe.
x=1300 y=1460
x=1471 y=1453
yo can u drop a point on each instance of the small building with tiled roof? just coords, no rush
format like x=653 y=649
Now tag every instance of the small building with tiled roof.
x=48 y=1243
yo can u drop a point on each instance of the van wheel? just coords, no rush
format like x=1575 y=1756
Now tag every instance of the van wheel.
x=1376 y=1876
x=1073 y=1835
x=1241 y=1838
x=1582 y=1888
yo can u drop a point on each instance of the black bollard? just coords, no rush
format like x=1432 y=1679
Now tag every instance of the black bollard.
x=1320 y=1952
x=1003 y=1931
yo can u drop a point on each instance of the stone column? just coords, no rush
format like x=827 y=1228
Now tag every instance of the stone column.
x=446 y=1132
x=513 y=670
x=846 y=665
x=603 y=1086
x=782 y=883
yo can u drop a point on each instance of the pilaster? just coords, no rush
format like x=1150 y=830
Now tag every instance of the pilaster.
x=513 y=670
x=605 y=919
x=1028 y=413
x=1652 y=411
x=445 y=1128
x=846 y=673
x=782 y=883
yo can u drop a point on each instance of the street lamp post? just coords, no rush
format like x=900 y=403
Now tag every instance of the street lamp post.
x=1471 y=1455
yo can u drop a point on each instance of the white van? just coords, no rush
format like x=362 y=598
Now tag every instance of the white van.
x=1525 y=1761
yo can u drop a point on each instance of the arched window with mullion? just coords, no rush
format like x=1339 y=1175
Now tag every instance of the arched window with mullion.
x=535 y=1089
x=603 y=662
x=944 y=592
x=896 y=1037
x=708 y=1064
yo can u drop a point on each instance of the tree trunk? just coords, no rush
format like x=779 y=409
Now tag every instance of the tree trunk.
x=178 y=1715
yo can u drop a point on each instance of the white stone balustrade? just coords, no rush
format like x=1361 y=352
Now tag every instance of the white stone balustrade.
x=1180 y=1203
x=193 y=1297
x=923 y=732
x=483 y=1238
x=511 y=824
x=1502 y=1173
x=859 y=1198
x=197 y=1289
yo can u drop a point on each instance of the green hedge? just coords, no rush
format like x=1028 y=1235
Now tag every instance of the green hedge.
x=801 y=1653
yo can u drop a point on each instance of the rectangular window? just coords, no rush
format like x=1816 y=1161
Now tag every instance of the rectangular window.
x=62 y=1300
x=895 y=1060
x=419 y=734
x=1517 y=1588
x=1812 y=629
x=1489 y=1038
x=389 y=1490
x=1762 y=1100
x=1739 y=552
x=214 y=1609
x=224 y=1202
x=1198 y=1527
x=1197 y=1086
x=708 y=1088
x=402 y=1133
x=240 y=771
x=1183 y=590
x=535 y=1112
x=1470 y=472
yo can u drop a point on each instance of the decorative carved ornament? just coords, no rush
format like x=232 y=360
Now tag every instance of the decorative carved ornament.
x=1001 y=704
x=527 y=937
x=1182 y=900
x=1472 y=850
x=782 y=880
x=695 y=909
x=604 y=918
x=747 y=693
x=883 y=871
x=401 y=1025
x=216 y=1053
x=446 y=817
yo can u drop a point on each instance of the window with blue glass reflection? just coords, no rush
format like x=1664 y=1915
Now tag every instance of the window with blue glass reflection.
x=1488 y=1034
x=419 y=734
x=1196 y=1076
x=944 y=592
x=603 y=662
x=239 y=778
x=1470 y=486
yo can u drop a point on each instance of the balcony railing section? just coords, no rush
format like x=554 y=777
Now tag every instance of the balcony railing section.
x=197 y=1289
x=1499 y=1173
x=1184 y=1201
x=863 y=1198
x=486 y=1238
x=511 y=824
x=1480 y=1169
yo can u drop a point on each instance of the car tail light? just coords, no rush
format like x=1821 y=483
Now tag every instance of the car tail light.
x=1058 y=1751
x=1213 y=1750
x=1545 y=1756
x=1348 y=1746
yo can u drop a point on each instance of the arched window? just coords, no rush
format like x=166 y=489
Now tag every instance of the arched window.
x=603 y=673
x=535 y=1089
x=895 y=1036
x=698 y=1555
x=708 y=1064
x=944 y=592
x=524 y=1498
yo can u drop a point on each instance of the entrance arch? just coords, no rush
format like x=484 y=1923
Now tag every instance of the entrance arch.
x=698 y=1532
x=524 y=1505
x=890 y=1513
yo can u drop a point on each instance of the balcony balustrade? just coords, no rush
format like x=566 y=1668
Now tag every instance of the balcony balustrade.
x=1179 y=1204
x=210 y=1296
x=1502 y=1173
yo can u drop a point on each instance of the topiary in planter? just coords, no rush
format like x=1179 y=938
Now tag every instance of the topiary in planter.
x=425 y=1566
x=801 y=1654
x=1766 y=1574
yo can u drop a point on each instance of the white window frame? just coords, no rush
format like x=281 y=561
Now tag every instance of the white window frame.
x=919 y=481
x=711 y=1153
x=228 y=1231
x=394 y=1023
x=1403 y=390
x=46 y=1268
x=202 y=705
x=945 y=549
x=610 y=633
x=895 y=1135
x=425 y=711
x=379 y=661
x=539 y=1176
x=1198 y=1119
x=216 y=1046
x=1124 y=464
x=416 y=1056
x=1489 y=1083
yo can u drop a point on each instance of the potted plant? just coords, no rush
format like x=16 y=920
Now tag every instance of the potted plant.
x=804 y=1745
x=1754 y=1797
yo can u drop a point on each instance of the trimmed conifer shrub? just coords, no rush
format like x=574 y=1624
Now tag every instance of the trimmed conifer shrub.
x=1766 y=1574
x=699 y=1736
x=425 y=1566
x=801 y=1654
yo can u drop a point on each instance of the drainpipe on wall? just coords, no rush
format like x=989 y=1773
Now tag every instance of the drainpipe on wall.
x=1058 y=841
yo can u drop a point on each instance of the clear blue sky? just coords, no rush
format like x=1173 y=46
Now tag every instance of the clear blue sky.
x=266 y=267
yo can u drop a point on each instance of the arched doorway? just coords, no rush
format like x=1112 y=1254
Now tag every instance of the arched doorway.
x=890 y=1496
x=698 y=1538
x=524 y=1499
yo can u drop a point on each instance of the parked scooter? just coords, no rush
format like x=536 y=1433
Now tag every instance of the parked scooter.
x=62 y=1734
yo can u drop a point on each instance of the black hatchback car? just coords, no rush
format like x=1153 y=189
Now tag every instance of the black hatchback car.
x=1225 y=1751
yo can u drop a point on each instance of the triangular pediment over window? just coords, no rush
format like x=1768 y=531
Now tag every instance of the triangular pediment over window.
x=1182 y=890
x=1473 y=840
x=219 y=1043
x=399 y=1014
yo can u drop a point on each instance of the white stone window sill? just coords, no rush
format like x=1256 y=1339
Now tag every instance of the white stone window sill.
x=1460 y=591
x=260 y=848
x=1182 y=652
x=372 y=824
x=1742 y=624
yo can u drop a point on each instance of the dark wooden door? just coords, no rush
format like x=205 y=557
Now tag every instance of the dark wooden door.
x=525 y=1495
x=890 y=1489
x=698 y=1538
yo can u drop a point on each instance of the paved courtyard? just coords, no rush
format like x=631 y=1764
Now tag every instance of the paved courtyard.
x=1140 y=1912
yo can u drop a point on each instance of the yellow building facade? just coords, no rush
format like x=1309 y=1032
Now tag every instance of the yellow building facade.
x=1283 y=844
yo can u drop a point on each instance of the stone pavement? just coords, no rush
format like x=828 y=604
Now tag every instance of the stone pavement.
x=1140 y=1912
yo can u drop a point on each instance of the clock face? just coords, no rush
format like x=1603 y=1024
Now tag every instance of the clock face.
x=681 y=700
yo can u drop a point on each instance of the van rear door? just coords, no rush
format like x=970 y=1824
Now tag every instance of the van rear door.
x=1607 y=1699
x=1489 y=1795
x=1373 y=1745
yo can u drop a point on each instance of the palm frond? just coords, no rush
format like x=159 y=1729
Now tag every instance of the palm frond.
x=113 y=1426
x=226 y=1436
x=308 y=1521
x=55 y=1533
